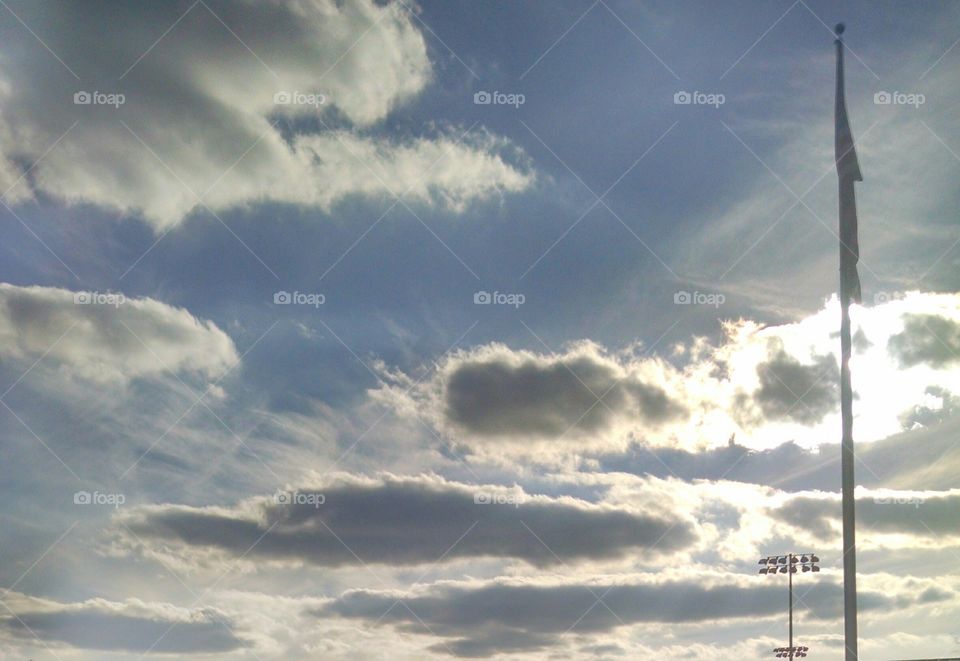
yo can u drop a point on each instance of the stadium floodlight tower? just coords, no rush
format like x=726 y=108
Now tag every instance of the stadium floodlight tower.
x=787 y=564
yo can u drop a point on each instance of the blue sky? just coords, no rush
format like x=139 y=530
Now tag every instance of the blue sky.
x=320 y=331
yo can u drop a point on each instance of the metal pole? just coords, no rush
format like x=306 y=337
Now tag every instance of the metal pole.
x=846 y=468
x=848 y=260
x=790 y=583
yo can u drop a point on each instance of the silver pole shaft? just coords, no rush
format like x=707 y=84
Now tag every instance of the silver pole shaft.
x=846 y=468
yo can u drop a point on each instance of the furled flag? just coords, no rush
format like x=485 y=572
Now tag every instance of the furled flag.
x=848 y=169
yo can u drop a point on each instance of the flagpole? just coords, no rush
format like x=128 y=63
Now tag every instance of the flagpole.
x=847 y=265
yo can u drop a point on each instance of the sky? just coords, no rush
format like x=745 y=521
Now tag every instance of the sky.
x=356 y=329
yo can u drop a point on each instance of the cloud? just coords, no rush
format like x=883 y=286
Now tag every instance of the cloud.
x=773 y=467
x=409 y=521
x=494 y=394
x=925 y=457
x=737 y=521
x=780 y=381
x=506 y=393
x=127 y=626
x=925 y=514
x=790 y=390
x=941 y=405
x=926 y=339
x=485 y=618
x=108 y=338
x=761 y=384
x=285 y=109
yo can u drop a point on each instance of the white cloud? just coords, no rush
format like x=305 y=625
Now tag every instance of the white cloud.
x=108 y=339
x=200 y=117
x=879 y=330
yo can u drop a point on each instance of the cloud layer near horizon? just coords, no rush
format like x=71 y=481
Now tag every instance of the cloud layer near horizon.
x=484 y=618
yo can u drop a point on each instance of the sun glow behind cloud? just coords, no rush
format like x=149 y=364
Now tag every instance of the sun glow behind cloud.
x=765 y=385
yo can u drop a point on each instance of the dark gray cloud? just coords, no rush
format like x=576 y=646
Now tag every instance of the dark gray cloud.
x=933 y=595
x=790 y=390
x=497 y=617
x=926 y=339
x=496 y=396
x=412 y=521
x=921 y=415
x=820 y=516
x=920 y=514
x=97 y=625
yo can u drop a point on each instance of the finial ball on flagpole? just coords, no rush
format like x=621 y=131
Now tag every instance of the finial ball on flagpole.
x=840 y=28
